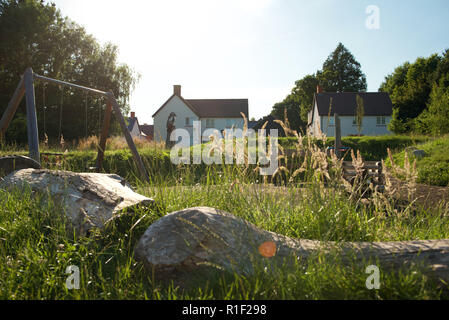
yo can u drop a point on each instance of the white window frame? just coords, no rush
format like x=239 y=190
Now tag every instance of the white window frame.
x=210 y=123
x=381 y=121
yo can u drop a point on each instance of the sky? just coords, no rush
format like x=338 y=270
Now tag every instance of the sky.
x=255 y=49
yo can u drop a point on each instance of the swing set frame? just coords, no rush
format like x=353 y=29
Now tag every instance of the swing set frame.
x=26 y=88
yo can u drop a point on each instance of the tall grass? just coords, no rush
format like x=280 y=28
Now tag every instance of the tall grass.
x=307 y=198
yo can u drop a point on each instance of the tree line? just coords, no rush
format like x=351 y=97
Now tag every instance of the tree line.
x=419 y=92
x=420 y=95
x=35 y=34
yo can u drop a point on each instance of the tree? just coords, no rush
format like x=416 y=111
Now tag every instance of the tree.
x=359 y=113
x=435 y=119
x=291 y=105
x=53 y=45
x=409 y=87
x=304 y=90
x=396 y=125
x=341 y=72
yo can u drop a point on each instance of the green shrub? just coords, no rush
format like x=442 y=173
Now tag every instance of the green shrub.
x=434 y=167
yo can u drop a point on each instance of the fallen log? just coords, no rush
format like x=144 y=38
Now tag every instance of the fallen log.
x=88 y=199
x=187 y=241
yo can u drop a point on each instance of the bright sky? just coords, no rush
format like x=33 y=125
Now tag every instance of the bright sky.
x=254 y=49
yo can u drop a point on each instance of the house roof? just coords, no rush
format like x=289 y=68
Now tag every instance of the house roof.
x=147 y=129
x=219 y=108
x=344 y=103
x=131 y=122
x=214 y=108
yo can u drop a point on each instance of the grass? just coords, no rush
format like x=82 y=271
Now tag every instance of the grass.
x=36 y=246
x=433 y=168
x=35 y=249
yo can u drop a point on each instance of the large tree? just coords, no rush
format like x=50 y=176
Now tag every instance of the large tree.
x=35 y=34
x=291 y=106
x=341 y=72
x=304 y=90
x=410 y=87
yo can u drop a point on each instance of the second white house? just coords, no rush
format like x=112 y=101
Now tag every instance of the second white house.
x=377 y=113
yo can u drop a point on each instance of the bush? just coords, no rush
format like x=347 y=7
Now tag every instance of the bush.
x=434 y=167
x=435 y=119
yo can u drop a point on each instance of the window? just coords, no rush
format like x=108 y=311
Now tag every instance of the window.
x=229 y=123
x=381 y=120
x=209 y=123
x=188 y=122
x=354 y=121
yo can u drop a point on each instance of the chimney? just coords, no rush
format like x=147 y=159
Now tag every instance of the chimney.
x=177 y=90
x=133 y=114
x=319 y=89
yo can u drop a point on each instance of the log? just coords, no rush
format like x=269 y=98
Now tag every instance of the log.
x=90 y=200
x=197 y=239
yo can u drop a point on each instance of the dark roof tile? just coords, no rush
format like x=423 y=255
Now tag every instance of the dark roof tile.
x=344 y=103
x=219 y=108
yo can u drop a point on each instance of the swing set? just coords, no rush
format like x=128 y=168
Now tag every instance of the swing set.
x=26 y=87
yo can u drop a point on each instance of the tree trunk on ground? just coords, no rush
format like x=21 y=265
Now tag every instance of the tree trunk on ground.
x=88 y=199
x=187 y=241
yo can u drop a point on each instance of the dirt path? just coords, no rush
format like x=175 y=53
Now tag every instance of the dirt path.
x=427 y=195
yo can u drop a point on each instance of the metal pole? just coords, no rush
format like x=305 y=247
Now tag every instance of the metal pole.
x=36 y=76
x=33 y=135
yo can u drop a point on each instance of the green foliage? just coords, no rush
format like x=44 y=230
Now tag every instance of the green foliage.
x=432 y=169
x=359 y=113
x=396 y=125
x=413 y=89
x=341 y=72
x=35 y=34
x=304 y=89
x=35 y=248
x=371 y=148
x=291 y=104
x=435 y=119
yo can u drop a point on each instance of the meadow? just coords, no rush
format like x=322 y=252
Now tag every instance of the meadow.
x=308 y=202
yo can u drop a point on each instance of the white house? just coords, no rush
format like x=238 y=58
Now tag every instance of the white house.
x=377 y=113
x=134 y=127
x=217 y=114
